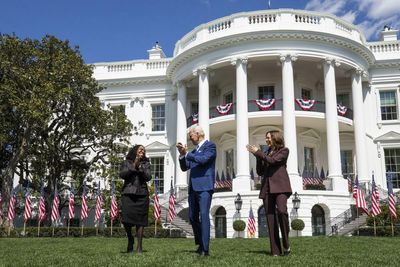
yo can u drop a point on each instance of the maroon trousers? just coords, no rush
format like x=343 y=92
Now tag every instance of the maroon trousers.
x=277 y=217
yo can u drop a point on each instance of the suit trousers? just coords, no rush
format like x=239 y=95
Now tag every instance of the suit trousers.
x=275 y=206
x=199 y=217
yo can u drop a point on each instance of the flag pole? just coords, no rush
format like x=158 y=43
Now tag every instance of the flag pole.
x=358 y=227
x=9 y=229
x=111 y=227
x=155 y=228
x=374 y=227
x=82 y=229
x=38 y=229
x=68 y=227
x=392 y=226
x=24 y=227
x=97 y=229
x=52 y=235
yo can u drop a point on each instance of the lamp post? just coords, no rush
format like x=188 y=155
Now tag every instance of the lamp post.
x=238 y=203
x=296 y=202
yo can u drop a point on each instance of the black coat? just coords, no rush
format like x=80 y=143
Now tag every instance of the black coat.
x=135 y=180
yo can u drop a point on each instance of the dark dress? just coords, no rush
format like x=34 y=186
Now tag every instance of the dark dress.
x=135 y=195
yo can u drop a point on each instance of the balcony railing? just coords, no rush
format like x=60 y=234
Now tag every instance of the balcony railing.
x=319 y=106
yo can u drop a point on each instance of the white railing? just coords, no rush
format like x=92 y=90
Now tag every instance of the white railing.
x=120 y=67
x=385 y=47
x=264 y=20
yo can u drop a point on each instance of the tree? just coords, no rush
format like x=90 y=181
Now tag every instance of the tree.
x=51 y=118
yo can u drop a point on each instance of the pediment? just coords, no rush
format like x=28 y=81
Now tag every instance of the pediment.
x=310 y=134
x=387 y=137
x=157 y=146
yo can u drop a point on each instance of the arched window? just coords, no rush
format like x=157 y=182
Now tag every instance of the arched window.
x=318 y=220
x=220 y=223
x=262 y=223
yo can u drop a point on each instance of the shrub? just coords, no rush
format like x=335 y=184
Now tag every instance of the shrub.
x=315 y=187
x=239 y=225
x=297 y=224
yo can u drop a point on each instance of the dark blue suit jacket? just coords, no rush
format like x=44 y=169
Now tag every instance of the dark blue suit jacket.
x=202 y=166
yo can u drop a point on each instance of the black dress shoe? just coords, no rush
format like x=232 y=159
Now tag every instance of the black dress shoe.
x=199 y=250
x=286 y=253
x=204 y=254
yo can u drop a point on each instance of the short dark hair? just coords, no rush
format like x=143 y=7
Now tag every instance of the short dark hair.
x=277 y=138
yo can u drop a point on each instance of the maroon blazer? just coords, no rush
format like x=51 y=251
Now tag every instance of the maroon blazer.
x=272 y=167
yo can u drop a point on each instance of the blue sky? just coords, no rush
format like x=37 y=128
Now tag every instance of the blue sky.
x=118 y=30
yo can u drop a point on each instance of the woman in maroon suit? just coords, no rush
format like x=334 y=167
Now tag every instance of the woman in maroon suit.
x=275 y=189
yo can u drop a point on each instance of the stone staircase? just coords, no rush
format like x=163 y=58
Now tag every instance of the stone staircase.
x=350 y=227
x=178 y=222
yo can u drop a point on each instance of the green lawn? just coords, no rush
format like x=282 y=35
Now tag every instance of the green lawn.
x=102 y=251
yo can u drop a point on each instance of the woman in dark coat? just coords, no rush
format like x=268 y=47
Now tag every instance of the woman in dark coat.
x=135 y=171
x=275 y=189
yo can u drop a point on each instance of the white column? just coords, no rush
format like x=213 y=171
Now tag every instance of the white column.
x=181 y=126
x=242 y=181
x=359 y=128
x=204 y=105
x=289 y=119
x=332 y=127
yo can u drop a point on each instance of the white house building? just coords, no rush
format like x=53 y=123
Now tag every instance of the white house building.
x=312 y=75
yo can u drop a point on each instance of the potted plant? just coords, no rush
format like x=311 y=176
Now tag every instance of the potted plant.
x=298 y=225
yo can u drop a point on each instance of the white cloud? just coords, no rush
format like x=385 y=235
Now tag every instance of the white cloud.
x=326 y=6
x=379 y=9
x=350 y=16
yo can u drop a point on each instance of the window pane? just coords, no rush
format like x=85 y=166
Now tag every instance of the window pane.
x=309 y=159
x=392 y=164
x=306 y=94
x=157 y=172
x=158 y=117
x=229 y=161
x=346 y=157
x=388 y=105
x=266 y=92
x=228 y=98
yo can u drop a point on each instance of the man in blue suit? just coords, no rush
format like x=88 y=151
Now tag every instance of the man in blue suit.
x=201 y=163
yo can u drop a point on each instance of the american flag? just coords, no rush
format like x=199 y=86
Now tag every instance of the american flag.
x=114 y=204
x=217 y=181
x=28 y=205
x=376 y=209
x=42 y=205
x=157 y=208
x=11 y=206
x=55 y=214
x=171 y=209
x=228 y=181
x=251 y=224
x=1 y=206
x=359 y=196
x=99 y=202
x=392 y=201
x=71 y=202
x=84 y=208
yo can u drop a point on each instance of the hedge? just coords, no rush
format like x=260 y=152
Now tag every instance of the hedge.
x=87 y=232
x=380 y=231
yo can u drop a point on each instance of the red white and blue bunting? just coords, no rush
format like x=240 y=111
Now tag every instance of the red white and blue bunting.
x=305 y=104
x=195 y=118
x=341 y=110
x=265 y=104
x=224 y=109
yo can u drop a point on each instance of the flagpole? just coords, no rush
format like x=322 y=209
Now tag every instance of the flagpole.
x=97 y=229
x=155 y=228
x=358 y=227
x=392 y=226
x=68 y=227
x=82 y=229
x=38 y=229
x=24 y=226
x=9 y=229
x=52 y=235
x=111 y=227
x=374 y=227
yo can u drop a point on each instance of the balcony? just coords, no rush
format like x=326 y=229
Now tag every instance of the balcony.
x=318 y=107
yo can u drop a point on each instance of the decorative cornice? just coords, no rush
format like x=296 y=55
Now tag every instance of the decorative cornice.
x=135 y=81
x=331 y=40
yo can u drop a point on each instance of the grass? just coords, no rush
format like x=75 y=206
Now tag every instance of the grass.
x=102 y=251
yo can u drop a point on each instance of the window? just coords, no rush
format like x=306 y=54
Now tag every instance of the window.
x=220 y=223
x=194 y=107
x=157 y=172
x=388 y=105
x=318 y=220
x=392 y=164
x=229 y=161
x=158 y=117
x=343 y=99
x=306 y=94
x=309 y=159
x=266 y=92
x=346 y=157
x=228 y=98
